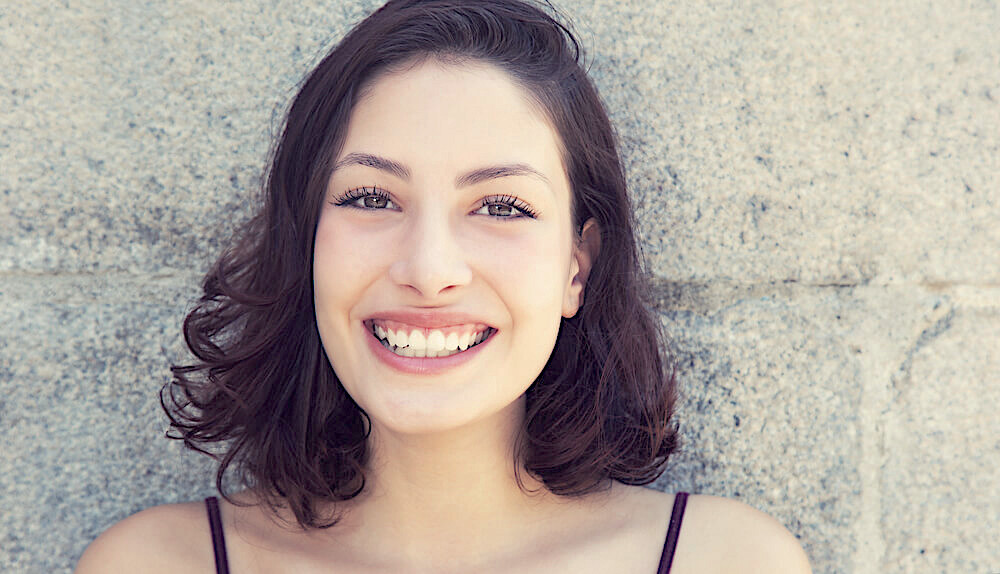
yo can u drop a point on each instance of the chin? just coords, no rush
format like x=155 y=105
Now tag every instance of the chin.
x=415 y=417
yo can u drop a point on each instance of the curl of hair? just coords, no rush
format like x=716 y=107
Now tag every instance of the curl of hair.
x=261 y=396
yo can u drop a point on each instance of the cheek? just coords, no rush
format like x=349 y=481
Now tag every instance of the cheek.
x=342 y=267
x=342 y=258
x=534 y=293
x=530 y=273
x=535 y=267
x=329 y=259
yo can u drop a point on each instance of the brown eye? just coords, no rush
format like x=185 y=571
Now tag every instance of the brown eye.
x=506 y=207
x=366 y=198
x=500 y=209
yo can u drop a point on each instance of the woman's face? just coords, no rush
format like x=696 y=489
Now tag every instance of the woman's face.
x=447 y=218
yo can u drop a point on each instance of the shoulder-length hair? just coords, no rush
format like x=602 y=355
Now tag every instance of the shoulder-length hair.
x=261 y=396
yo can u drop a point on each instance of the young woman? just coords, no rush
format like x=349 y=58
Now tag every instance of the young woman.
x=429 y=352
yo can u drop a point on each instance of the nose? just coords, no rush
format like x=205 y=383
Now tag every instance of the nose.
x=431 y=259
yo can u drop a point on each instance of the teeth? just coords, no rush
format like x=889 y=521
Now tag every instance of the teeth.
x=435 y=344
x=451 y=343
x=417 y=340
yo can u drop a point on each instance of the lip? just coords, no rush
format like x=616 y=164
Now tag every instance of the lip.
x=428 y=318
x=421 y=365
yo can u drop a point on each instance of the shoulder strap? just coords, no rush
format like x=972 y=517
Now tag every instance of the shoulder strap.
x=218 y=540
x=676 y=516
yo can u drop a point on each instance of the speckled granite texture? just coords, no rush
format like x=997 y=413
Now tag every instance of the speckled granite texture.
x=817 y=187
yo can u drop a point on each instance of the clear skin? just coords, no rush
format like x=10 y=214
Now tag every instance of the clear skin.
x=435 y=245
x=441 y=496
x=443 y=443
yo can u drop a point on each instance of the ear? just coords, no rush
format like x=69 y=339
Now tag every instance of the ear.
x=585 y=251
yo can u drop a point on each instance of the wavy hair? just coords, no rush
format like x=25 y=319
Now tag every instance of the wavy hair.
x=261 y=396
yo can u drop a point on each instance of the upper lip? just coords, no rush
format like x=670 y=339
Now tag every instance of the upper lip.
x=428 y=318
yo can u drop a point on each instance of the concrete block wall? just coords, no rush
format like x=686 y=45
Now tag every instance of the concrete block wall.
x=816 y=182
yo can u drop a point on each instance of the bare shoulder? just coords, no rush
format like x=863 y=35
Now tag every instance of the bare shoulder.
x=724 y=535
x=168 y=538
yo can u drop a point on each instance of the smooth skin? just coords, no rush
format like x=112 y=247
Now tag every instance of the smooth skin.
x=441 y=494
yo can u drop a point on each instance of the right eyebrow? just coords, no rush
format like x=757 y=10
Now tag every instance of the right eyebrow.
x=375 y=161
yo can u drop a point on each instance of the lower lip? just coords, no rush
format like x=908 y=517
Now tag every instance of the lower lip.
x=422 y=365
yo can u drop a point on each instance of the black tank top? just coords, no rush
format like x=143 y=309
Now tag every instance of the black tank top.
x=666 y=558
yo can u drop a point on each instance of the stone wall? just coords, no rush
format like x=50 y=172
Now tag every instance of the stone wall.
x=817 y=185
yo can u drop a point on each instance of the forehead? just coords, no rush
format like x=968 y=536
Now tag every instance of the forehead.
x=453 y=115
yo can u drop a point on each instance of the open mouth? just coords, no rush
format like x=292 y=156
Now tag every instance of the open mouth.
x=429 y=343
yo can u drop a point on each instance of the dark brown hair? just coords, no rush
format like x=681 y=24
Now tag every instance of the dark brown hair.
x=262 y=397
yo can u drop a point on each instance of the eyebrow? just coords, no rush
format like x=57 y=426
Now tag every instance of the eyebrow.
x=473 y=177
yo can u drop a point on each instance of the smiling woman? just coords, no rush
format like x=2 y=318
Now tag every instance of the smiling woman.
x=431 y=350
x=471 y=232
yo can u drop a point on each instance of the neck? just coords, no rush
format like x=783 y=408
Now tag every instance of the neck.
x=434 y=498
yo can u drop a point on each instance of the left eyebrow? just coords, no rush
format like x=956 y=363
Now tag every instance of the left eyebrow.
x=497 y=171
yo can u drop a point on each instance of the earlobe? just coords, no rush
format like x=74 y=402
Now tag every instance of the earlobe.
x=585 y=252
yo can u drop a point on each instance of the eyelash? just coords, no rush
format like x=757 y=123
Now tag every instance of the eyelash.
x=353 y=195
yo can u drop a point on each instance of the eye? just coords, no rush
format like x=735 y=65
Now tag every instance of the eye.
x=506 y=207
x=375 y=198
x=368 y=198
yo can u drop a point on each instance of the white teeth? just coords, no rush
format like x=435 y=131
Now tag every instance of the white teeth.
x=435 y=342
x=417 y=340
x=451 y=343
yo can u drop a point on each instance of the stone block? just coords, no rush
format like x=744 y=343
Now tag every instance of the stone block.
x=860 y=417
x=941 y=449
x=134 y=138
x=770 y=415
x=83 y=442
x=807 y=142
